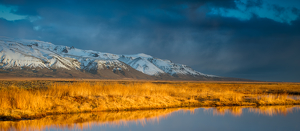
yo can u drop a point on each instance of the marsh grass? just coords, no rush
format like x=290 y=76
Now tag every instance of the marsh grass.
x=34 y=99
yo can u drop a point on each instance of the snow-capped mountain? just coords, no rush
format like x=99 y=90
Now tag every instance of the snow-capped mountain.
x=35 y=56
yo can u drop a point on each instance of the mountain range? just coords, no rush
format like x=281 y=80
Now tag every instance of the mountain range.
x=34 y=58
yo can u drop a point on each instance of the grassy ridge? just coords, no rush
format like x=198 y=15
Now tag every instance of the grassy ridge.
x=34 y=99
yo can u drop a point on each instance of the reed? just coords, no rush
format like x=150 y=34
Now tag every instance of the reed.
x=34 y=99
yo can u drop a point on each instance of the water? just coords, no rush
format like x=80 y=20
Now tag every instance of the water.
x=275 y=118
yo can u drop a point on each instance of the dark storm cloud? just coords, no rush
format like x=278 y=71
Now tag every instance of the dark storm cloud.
x=254 y=3
x=20 y=28
x=182 y=31
x=250 y=3
x=278 y=9
x=296 y=11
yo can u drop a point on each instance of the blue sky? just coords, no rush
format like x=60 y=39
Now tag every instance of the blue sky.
x=253 y=39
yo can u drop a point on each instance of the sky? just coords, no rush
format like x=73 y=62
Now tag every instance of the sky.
x=251 y=39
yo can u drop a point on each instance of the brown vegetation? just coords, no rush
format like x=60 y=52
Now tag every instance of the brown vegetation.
x=34 y=99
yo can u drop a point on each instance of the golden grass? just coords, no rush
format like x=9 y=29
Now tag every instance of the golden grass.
x=34 y=99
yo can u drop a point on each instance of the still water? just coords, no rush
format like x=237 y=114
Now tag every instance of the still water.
x=272 y=118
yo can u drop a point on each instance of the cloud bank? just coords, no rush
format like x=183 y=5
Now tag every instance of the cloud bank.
x=254 y=39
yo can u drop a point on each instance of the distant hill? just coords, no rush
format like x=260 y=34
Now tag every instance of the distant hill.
x=33 y=58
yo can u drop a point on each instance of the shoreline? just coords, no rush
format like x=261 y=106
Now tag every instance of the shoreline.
x=117 y=118
x=43 y=115
x=127 y=80
x=36 y=99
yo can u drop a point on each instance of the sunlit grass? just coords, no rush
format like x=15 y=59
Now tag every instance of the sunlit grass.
x=33 y=99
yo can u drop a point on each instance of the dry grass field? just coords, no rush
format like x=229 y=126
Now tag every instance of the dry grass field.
x=35 y=99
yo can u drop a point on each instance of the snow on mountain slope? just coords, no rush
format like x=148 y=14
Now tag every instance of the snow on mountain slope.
x=18 y=53
x=172 y=68
x=156 y=66
x=142 y=64
x=105 y=64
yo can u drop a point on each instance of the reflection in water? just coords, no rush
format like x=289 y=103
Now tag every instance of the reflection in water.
x=85 y=120
x=141 y=117
x=274 y=110
x=233 y=110
x=264 y=110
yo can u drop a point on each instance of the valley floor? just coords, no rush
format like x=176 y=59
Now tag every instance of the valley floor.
x=28 y=99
